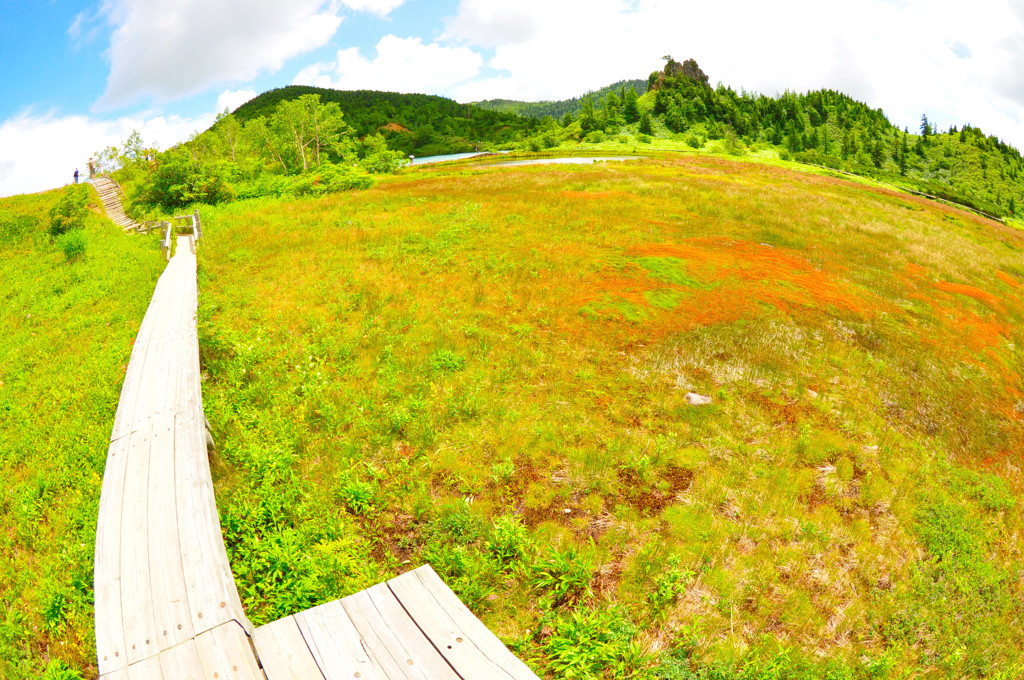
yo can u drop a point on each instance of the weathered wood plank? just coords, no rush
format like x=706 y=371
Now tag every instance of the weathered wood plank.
x=182 y=662
x=396 y=620
x=335 y=644
x=119 y=674
x=389 y=643
x=213 y=597
x=226 y=654
x=471 y=649
x=172 y=616
x=284 y=652
x=136 y=585
x=147 y=669
x=110 y=648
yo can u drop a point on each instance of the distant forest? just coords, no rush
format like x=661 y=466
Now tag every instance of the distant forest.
x=418 y=124
x=558 y=109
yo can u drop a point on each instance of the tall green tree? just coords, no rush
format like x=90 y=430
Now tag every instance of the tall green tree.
x=646 y=127
x=630 y=107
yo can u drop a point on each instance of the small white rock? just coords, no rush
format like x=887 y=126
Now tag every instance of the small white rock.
x=695 y=399
x=811 y=393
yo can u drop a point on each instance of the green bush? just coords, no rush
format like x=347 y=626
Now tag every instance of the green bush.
x=596 y=644
x=73 y=244
x=69 y=212
x=182 y=178
x=565 y=576
x=58 y=670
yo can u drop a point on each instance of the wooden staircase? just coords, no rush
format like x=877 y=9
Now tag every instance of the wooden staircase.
x=111 y=195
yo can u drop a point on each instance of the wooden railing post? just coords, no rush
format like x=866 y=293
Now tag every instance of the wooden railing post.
x=166 y=245
x=198 y=226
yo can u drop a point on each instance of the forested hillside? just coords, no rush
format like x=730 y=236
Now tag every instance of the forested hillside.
x=558 y=109
x=411 y=123
x=830 y=128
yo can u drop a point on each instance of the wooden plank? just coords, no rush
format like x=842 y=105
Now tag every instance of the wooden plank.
x=119 y=674
x=136 y=588
x=284 y=652
x=226 y=654
x=170 y=597
x=335 y=644
x=471 y=649
x=482 y=636
x=182 y=662
x=418 y=648
x=110 y=648
x=213 y=597
x=395 y=643
x=147 y=669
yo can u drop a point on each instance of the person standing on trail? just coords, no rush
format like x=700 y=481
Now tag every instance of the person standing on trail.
x=76 y=175
x=92 y=169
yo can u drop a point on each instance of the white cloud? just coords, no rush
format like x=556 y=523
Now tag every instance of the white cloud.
x=42 y=151
x=168 y=49
x=378 y=7
x=892 y=55
x=232 y=99
x=401 y=65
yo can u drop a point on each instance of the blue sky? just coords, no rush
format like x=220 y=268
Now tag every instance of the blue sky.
x=78 y=75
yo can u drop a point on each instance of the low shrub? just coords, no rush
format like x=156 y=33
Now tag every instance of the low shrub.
x=70 y=210
x=73 y=244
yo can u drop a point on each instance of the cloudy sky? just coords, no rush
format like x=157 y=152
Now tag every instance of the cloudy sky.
x=78 y=75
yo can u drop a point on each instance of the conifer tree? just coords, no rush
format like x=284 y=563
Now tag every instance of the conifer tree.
x=630 y=109
x=645 y=124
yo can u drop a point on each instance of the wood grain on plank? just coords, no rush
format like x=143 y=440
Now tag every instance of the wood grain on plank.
x=480 y=634
x=136 y=588
x=182 y=662
x=335 y=644
x=110 y=649
x=424 y=655
x=147 y=669
x=284 y=652
x=172 y=616
x=471 y=649
x=226 y=654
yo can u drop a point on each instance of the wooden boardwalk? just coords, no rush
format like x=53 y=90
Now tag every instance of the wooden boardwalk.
x=166 y=602
x=111 y=195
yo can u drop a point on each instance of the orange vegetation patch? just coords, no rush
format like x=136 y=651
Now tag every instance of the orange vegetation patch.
x=978 y=294
x=1009 y=280
x=394 y=127
x=724 y=281
x=979 y=332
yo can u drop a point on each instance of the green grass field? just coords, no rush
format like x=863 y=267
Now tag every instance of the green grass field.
x=486 y=369
x=68 y=326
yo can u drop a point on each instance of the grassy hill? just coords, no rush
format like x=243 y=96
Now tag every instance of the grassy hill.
x=412 y=123
x=68 y=327
x=558 y=109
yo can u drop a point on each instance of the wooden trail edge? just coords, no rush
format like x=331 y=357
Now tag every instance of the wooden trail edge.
x=165 y=599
